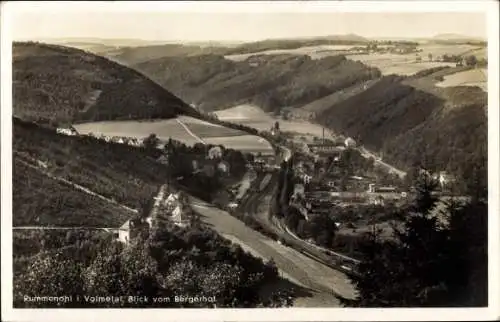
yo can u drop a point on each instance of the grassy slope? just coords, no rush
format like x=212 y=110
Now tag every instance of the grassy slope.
x=60 y=84
x=41 y=201
x=270 y=81
x=115 y=171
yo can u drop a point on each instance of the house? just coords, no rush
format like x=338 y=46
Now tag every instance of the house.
x=372 y=188
x=377 y=200
x=445 y=179
x=163 y=159
x=131 y=229
x=306 y=178
x=195 y=165
x=326 y=149
x=223 y=167
x=298 y=191
x=172 y=201
x=69 y=131
x=134 y=142
x=215 y=153
x=350 y=143
x=181 y=214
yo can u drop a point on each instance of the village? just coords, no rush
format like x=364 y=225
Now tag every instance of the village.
x=333 y=173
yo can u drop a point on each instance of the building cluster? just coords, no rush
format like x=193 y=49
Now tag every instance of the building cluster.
x=132 y=141
x=320 y=183
x=443 y=178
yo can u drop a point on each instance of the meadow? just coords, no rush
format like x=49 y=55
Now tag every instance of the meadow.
x=164 y=129
x=315 y=52
x=255 y=117
x=398 y=64
x=473 y=77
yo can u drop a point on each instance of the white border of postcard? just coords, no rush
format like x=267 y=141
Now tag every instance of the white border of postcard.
x=490 y=8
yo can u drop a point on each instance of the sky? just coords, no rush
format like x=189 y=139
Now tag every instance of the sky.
x=41 y=23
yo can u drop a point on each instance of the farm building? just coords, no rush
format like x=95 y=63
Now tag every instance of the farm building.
x=71 y=131
x=326 y=149
x=130 y=229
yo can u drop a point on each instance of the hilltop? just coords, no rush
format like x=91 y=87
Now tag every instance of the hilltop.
x=56 y=84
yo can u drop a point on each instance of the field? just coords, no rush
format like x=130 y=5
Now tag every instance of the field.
x=164 y=129
x=473 y=77
x=200 y=132
x=397 y=64
x=253 y=116
x=315 y=52
x=244 y=143
x=442 y=49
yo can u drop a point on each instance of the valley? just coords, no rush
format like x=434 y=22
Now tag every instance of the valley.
x=193 y=153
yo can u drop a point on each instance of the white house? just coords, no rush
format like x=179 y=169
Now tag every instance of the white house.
x=68 y=131
x=350 y=143
x=215 y=153
x=180 y=215
x=172 y=201
x=444 y=178
x=130 y=229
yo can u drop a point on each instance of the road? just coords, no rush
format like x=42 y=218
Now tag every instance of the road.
x=325 y=281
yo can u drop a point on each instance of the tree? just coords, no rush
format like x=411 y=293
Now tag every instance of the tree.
x=430 y=56
x=50 y=275
x=471 y=60
x=432 y=259
x=151 y=142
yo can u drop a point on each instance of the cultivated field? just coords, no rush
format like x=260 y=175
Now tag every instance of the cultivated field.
x=164 y=129
x=397 y=64
x=473 y=77
x=442 y=49
x=244 y=143
x=315 y=52
x=253 y=116
x=199 y=132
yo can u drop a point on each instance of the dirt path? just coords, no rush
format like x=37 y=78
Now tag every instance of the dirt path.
x=190 y=132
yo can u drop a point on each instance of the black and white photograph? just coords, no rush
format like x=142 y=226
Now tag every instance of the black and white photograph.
x=288 y=156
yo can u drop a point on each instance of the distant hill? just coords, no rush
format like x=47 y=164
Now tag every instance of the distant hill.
x=293 y=43
x=56 y=84
x=457 y=39
x=130 y=56
x=269 y=81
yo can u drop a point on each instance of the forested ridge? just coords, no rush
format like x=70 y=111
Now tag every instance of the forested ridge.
x=55 y=84
x=269 y=81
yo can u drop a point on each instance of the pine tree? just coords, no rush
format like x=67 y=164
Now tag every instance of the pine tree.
x=436 y=259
